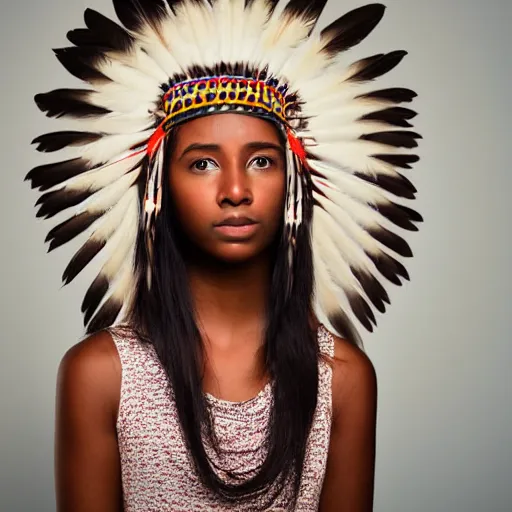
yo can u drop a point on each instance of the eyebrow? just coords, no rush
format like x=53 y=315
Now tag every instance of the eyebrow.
x=216 y=147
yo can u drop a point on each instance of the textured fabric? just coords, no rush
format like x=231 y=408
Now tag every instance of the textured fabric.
x=157 y=472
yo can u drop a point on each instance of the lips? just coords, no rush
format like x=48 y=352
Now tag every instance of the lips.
x=236 y=228
x=236 y=221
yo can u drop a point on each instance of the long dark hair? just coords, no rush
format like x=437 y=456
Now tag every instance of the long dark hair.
x=164 y=316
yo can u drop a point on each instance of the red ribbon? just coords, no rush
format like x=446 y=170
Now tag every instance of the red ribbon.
x=297 y=147
x=155 y=140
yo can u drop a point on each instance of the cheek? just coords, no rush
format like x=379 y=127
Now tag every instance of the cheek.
x=191 y=203
x=272 y=200
x=274 y=193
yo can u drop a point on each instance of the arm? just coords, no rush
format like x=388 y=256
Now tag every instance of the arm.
x=349 y=478
x=87 y=466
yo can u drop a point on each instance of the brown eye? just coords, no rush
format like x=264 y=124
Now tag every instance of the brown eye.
x=204 y=165
x=261 y=162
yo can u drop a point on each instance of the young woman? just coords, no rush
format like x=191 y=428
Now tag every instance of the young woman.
x=209 y=381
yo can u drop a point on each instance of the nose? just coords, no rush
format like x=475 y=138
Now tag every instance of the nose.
x=234 y=186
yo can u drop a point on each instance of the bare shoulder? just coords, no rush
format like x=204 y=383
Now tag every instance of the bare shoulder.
x=94 y=355
x=353 y=376
x=92 y=366
x=87 y=461
x=96 y=347
x=349 y=477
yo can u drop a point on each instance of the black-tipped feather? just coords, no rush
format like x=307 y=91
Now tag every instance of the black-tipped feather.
x=398 y=185
x=98 y=289
x=344 y=327
x=82 y=258
x=393 y=95
x=55 y=141
x=80 y=62
x=70 y=228
x=351 y=29
x=57 y=201
x=391 y=240
x=402 y=161
x=109 y=34
x=361 y=310
x=105 y=316
x=82 y=37
x=308 y=10
x=395 y=138
x=376 y=65
x=174 y=4
x=133 y=14
x=68 y=103
x=270 y=3
x=400 y=215
x=373 y=289
x=49 y=175
x=390 y=268
x=394 y=116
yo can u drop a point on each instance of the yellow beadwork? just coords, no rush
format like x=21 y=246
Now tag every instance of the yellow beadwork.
x=186 y=97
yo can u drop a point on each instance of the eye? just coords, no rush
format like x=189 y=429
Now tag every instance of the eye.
x=262 y=162
x=204 y=165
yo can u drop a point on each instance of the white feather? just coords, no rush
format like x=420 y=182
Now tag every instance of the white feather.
x=141 y=61
x=112 y=219
x=192 y=34
x=344 y=110
x=355 y=156
x=305 y=63
x=105 y=175
x=351 y=132
x=121 y=287
x=108 y=196
x=128 y=76
x=327 y=301
x=179 y=36
x=328 y=91
x=154 y=43
x=336 y=259
x=223 y=22
x=341 y=252
x=256 y=16
x=123 y=100
x=123 y=124
x=125 y=284
x=350 y=186
x=110 y=147
x=354 y=225
x=239 y=37
x=280 y=36
x=343 y=104
x=121 y=243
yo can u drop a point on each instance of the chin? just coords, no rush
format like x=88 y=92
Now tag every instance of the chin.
x=241 y=252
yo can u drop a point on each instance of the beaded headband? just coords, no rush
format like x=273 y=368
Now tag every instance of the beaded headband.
x=184 y=97
x=188 y=99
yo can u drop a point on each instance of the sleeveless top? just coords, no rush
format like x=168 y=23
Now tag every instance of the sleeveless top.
x=157 y=472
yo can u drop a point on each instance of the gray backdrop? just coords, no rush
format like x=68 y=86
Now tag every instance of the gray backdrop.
x=442 y=352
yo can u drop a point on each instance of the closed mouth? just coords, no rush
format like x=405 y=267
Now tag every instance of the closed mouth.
x=236 y=221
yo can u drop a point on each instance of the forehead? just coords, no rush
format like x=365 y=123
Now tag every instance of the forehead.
x=228 y=128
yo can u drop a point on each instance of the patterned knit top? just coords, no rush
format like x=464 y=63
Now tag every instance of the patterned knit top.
x=157 y=474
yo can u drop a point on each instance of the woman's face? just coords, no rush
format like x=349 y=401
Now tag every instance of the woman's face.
x=228 y=180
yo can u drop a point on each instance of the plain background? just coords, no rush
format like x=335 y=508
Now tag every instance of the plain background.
x=442 y=352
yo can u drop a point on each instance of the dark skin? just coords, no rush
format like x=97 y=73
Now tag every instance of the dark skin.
x=227 y=166
x=236 y=167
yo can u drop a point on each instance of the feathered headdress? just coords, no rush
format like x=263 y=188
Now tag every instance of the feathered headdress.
x=178 y=59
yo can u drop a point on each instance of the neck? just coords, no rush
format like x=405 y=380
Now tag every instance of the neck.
x=231 y=297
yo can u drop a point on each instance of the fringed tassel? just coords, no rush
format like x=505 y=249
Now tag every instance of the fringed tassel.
x=295 y=197
x=153 y=202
